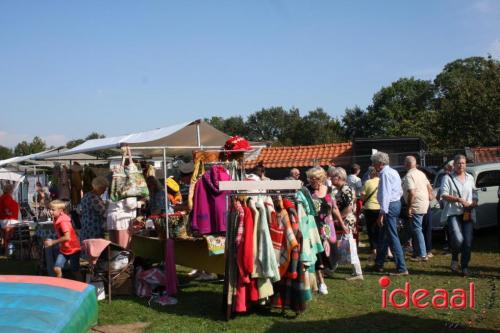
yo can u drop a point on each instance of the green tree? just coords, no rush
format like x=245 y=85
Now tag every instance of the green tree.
x=73 y=143
x=468 y=100
x=5 y=153
x=319 y=127
x=22 y=148
x=95 y=135
x=405 y=108
x=37 y=145
x=354 y=123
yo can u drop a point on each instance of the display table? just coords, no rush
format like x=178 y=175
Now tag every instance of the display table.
x=189 y=252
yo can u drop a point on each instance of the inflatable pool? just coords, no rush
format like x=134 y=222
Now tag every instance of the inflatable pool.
x=31 y=304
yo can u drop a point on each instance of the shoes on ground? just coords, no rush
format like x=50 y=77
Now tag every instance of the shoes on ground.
x=429 y=255
x=355 y=277
x=419 y=259
x=206 y=277
x=454 y=266
x=194 y=273
x=323 y=290
x=405 y=273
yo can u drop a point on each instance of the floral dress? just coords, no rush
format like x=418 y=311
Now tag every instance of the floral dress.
x=323 y=207
x=345 y=198
x=93 y=216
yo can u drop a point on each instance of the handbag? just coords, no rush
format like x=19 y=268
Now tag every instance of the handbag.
x=118 y=182
x=467 y=215
x=135 y=184
x=329 y=229
x=343 y=251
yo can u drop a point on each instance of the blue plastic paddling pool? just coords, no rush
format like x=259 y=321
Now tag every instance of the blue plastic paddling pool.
x=45 y=304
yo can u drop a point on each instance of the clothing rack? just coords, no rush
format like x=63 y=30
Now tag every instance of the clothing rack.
x=273 y=189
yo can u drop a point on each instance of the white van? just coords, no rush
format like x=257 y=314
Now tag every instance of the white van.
x=487 y=180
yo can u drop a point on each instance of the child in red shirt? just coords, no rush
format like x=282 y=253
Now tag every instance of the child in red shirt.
x=69 y=248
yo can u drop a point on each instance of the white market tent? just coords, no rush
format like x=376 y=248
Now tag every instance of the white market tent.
x=172 y=140
x=10 y=175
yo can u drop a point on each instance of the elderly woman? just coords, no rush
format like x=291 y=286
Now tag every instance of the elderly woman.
x=94 y=210
x=371 y=207
x=9 y=214
x=325 y=207
x=460 y=198
x=345 y=201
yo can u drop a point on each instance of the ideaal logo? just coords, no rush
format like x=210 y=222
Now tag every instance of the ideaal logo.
x=422 y=298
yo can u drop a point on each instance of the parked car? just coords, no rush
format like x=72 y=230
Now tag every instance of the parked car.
x=487 y=180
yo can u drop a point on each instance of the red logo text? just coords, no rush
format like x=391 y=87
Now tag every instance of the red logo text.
x=422 y=298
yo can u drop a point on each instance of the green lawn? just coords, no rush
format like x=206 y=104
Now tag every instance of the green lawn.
x=349 y=306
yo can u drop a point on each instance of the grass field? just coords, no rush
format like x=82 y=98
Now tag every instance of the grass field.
x=349 y=306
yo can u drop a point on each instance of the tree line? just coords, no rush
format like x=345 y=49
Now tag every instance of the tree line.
x=459 y=108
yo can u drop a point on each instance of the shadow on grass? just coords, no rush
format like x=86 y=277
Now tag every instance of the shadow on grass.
x=10 y=266
x=373 y=323
x=193 y=302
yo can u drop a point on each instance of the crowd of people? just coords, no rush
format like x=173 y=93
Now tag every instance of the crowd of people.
x=341 y=200
x=382 y=199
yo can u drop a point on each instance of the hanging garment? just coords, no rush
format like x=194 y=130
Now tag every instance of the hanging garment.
x=88 y=176
x=76 y=184
x=63 y=188
x=209 y=207
x=312 y=244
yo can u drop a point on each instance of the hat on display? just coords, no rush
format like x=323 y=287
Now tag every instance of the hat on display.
x=172 y=185
x=186 y=168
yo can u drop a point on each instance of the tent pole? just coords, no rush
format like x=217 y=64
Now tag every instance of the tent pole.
x=165 y=174
x=198 y=136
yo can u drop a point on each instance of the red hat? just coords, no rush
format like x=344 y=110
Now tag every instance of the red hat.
x=237 y=143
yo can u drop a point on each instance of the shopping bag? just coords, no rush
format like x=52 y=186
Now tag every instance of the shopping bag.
x=329 y=230
x=117 y=183
x=135 y=184
x=344 y=251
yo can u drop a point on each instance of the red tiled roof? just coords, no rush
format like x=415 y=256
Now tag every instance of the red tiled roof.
x=486 y=154
x=303 y=156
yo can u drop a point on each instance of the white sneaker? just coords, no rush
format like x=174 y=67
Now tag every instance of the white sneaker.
x=323 y=290
x=193 y=273
x=355 y=277
x=454 y=266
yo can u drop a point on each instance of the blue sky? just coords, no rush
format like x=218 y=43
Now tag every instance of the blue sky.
x=68 y=68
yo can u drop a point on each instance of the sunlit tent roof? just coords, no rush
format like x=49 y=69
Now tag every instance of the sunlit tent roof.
x=18 y=159
x=178 y=139
x=10 y=175
x=44 y=159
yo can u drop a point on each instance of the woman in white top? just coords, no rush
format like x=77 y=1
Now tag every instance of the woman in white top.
x=119 y=216
x=460 y=198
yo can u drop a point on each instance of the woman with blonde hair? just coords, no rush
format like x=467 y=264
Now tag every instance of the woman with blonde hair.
x=345 y=201
x=326 y=209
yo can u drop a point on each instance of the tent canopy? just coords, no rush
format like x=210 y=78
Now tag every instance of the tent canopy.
x=10 y=175
x=18 y=159
x=177 y=139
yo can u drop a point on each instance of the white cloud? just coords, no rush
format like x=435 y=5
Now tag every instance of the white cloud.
x=494 y=49
x=483 y=6
x=12 y=139
x=55 y=140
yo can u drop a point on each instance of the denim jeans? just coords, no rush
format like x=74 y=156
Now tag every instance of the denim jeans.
x=389 y=236
x=427 y=230
x=460 y=237
x=419 y=249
